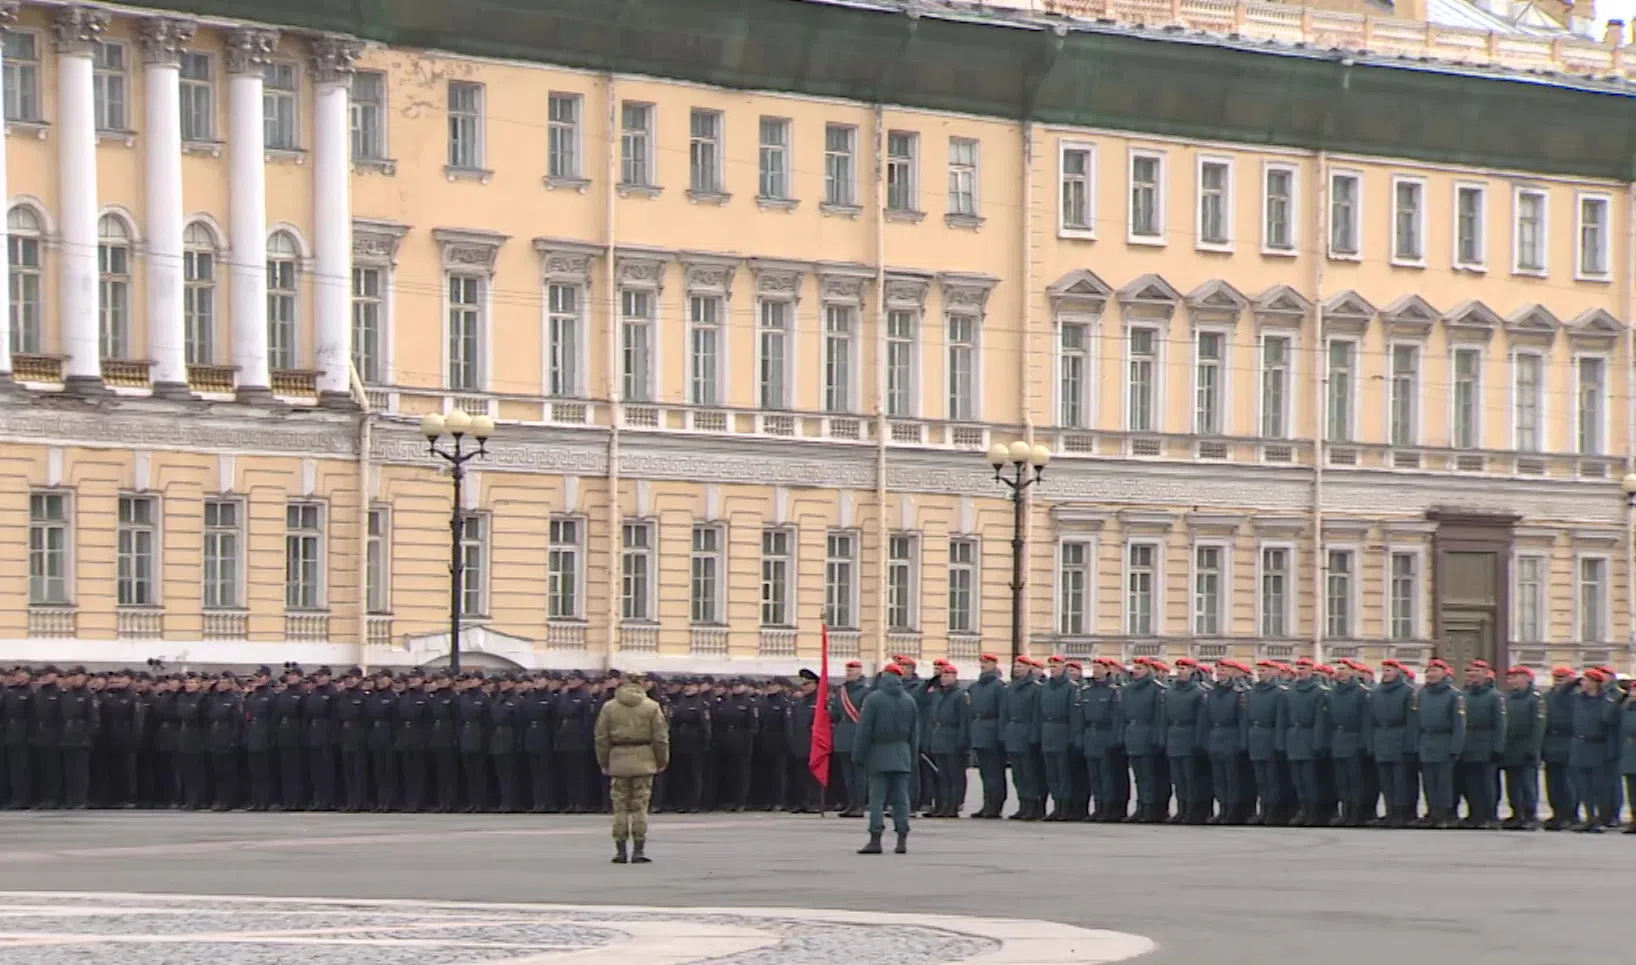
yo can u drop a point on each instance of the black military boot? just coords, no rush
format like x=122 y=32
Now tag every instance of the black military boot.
x=619 y=853
x=637 y=857
x=903 y=843
x=873 y=847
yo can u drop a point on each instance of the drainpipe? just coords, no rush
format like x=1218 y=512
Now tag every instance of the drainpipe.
x=1026 y=298
x=610 y=195
x=882 y=531
x=1628 y=269
x=1320 y=380
x=366 y=433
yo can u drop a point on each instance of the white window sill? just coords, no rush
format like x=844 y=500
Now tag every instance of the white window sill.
x=1398 y=262
x=1076 y=234
x=1599 y=279
x=639 y=190
x=1476 y=268
x=1270 y=252
x=1345 y=256
x=1215 y=247
x=1150 y=241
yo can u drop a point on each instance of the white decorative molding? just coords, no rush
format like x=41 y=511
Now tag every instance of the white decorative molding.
x=1472 y=321
x=333 y=58
x=1532 y=325
x=1216 y=301
x=1079 y=292
x=1281 y=306
x=642 y=268
x=1347 y=313
x=707 y=274
x=570 y=494
x=842 y=283
x=53 y=466
x=1588 y=536
x=906 y=290
x=1146 y=521
x=567 y=262
x=1215 y=522
x=128 y=426
x=1410 y=317
x=226 y=473
x=846 y=509
x=471 y=492
x=1594 y=328
x=163 y=39
x=375 y=241
x=249 y=49
x=309 y=477
x=1341 y=526
x=966 y=291
x=781 y=505
x=141 y=471
x=1079 y=519
x=777 y=278
x=906 y=513
x=644 y=498
x=468 y=249
x=1408 y=527
x=967 y=515
x=77 y=29
x=712 y=501
x=1149 y=296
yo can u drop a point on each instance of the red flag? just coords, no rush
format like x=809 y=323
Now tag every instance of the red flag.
x=823 y=739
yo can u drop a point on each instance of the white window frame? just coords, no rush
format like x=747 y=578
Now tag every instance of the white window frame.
x=973 y=583
x=200 y=286
x=238 y=531
x=193 y=89
x=154 y=528
x=1223 y=610
x=271 y=99
x=1416 y=259
x=1156 y=609
x=1479 y=390
x=785 y=602
x=361 y=304
x=321 y=596
x=910 y=569
x=457 y=160
x=26 y=97
x=974 y=376
x=1603 y=403
x=1417 y=402
x=1225 y=242
x=377 y=560
x=773 y=180
x=1604 y=273
x=911 y=392
x=1544 y=266
x=849 y=398
x=1223 y=369
x=974 y=171
x=1351 y=391
x=706 y=165
x=1457 y=259
x=1353 y=579
x=718 y=326
x=1542 y=600
x=572 y=367
x=111 y=85
x=646 y=598
x=476 y=600
x=1286 y=617
x=841 y=167
x=565 y=138
x=1088 y=588
x=1355 y=253
x=1417 y=594
x=1604 y=601
x=717 y=597
x=907 y=168
x=375 y=148
x=69 y=556
x=1542 y=442
x=650 y=322
x=1132 y=236
x=786 y=374
x=1292 y=226
x=1090 y=352
x=480 y=364
x=1157 y=386
x=576 y=547
x=1291 y=380
x=1065 y=229
x=849 y=560
x=636 y=167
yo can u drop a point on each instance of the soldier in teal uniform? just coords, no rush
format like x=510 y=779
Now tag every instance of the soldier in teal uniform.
x=1594 y=755
x=1391 y=735
x=1264 y=741
x=1141 y=720
x=1098 y=720
x=1020 y=732
x=1079 y=778
x=1056 y=704
x=987 y=701
x=845 y=707
x=949 y=741
x=1557 y=747
x=1303 y=720
x=1225 y=728
x=888 y=745
x=1613 y=788
x=1348 y=743
x=1627 y=752
x=1440 y=731
x=1484 y=747
x=1185 y=729
x=1524 y=733
x=916 y=686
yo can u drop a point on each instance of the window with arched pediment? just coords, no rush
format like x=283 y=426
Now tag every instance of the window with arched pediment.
x=113 y=287
x=283 y=266
x=199 y=294
x=24 y=236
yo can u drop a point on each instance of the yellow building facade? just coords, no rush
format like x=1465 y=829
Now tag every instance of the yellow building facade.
x=747 y=352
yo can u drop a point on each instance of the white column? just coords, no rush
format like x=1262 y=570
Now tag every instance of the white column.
x=8 y=16
x=163 y=40
x=248 y=52
x=332 y=59
x=78 y=29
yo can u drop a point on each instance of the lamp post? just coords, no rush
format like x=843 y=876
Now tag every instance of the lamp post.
x=1628 y=484
x=457 y=425
x=1027 y=468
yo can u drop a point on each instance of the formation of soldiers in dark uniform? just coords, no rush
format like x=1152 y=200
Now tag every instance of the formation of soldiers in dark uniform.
x=1303 y=745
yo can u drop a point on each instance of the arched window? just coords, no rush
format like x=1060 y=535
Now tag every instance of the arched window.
x=114 y=287
x=23 y=247
x=282 y=255
x=199 y=293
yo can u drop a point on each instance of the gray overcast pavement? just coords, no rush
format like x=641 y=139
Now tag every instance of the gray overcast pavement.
x=1208 y=896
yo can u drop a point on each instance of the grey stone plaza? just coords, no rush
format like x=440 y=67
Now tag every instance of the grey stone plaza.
x=436 y=890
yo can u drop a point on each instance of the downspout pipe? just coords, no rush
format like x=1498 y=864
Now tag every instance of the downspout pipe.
x=1320 y=408
x=610 y=297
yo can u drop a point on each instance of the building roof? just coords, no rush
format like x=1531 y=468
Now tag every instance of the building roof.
x=1467 y=15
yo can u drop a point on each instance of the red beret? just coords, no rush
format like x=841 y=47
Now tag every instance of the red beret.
x=893 y=668
x=1595 y=674
x=939 y=662
x=1106 y=661
x=1607 y=671
x=1325 y=669
x=1520 y=671
x=1478 y=665
x=1186 y=662
x=1365 y=670
x=850 y=664
x=1076 y=665
x=904 y=659
x=1391 y=662
x=1283 y=668
x=989 y=658
x=947 y=667
x=1141 y=660
x=1560 y=671
x=1408 y=673
x=1305 y=662
x=1267 y=663
x=1439 y=663
x=1057 y=658
x=1158 y=665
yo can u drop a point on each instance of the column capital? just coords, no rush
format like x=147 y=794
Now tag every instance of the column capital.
x=78 y=28
x=333 y=57
x=164 y=39
x=249 y=49
x=8 y=12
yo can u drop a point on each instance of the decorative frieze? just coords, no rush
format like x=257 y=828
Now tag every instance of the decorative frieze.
x=842 y=284
x=566 y=262
x=1347 y=313
x=966 y=291
x=163 y=39
x=1410 y=317
x=642 y=268
x=1595 y=329
x=375 y=241
x=1080 y=292
x=706 y=274
x=333 y=59
x=469 y=249
x=162 y=429
x=249 y=49
x=907 y=290
x=1472 y=321
x=77 y=29
x=1281 y=307
x=778 y=279
x=1149 y=297
x=1217 y=302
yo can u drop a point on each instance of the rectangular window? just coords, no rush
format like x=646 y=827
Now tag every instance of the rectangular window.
x=113 y=288
x=773 y=354
x=636 y=144
x=1215 y=202
x=839 y=323
x=378 y=562
x=777 y=576
x=1073 y=381
x=1405 y=395
x=1144 y=359
x=1405 y=590
x=1345 y=202
x=705 y=576
x=303 y=556
x=465 y=125
x=562 y=136
x=1338 y=596
x=138 y=541
x=198 y=292
x=1078 y=201
x=902 y=181
x=901 y=336
x=1593 y=600
x=1470 y=223
x=1141 y=581
x=1468 y=398
x=367 y=108
x=1279 y=209
x=562 y=340
x=1528 y=389
x=1408 y=221
x=1207 y=590
x=704 y=152
x=704 y=319
x=840 y=165
x=22 y=76
x=562 y=598
x=108 y=82
x=474 y=597
x=774 y=163
x=1146 y=196
x=1275 y=587
x=1210 y=347
x=902 y=579
x=1592 y=399
x=48 y=549
x=1275 y=386
x=278 y=105
x=1073 y=588
x=283 y=296
x=1530 y=238
x=963 y=177
x=367 y=308
x=962 y=374
x=224 y=554
x=197 y=97
x=636 y=572
x=636 y=344
x=465 y=332
x=1530 y=627
x=840 y=580
x=1342 y=375
x=962 y=585
x=1593 y=236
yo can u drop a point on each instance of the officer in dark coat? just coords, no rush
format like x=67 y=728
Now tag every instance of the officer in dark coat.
x=1056 y=702
x=1391 y=738
x=572 y=711
x=471 y=714
x=123 y=721
x=1020 y=731
x=441 y=735
x=412 y=719
x=987 y=696
x=734 y=724
x=224 y=723
x=191 y=771
x=1304 y=724
x=1141 y=722
x=537 y=726
x=47 y=740
x=289 y=735
x=1484 y=747
x=1265 y=741
x=805 y=795
x=845 y=707
x=1594 y=755
x=380 y=715
x=888 y=744
x=1440 y=730
x=1185 y=731
x=16 y=734
x=1226 y=727
x=1556 y=749
x=690 y=733
x=949 y=741
x=351 y=710
x=78 y=727
x=772 y=746
x=1524 y=735
x=505 y=740
x=260 y=739
x=318 y=714
x=1349 y=746
x=166 y=734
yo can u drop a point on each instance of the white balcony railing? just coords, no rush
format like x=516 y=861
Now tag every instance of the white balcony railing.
x=139 y=624
x=638 y=638
x=226 y=625
x=307 y=627
x=711 y=641
x=904 y=642
x=965 y=646
x=565 y=636
x=843 y=644
x=52 y=623
x=378 y=631
x=776 y=642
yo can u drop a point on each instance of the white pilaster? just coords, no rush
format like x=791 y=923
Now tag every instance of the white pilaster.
x=77 y=31
x=332 y=59
x=8 y=16
x=163 y=40
x=248 y=52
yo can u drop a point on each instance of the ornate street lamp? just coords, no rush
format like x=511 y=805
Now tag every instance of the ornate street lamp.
x=1027 y=468
x=457 y=425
